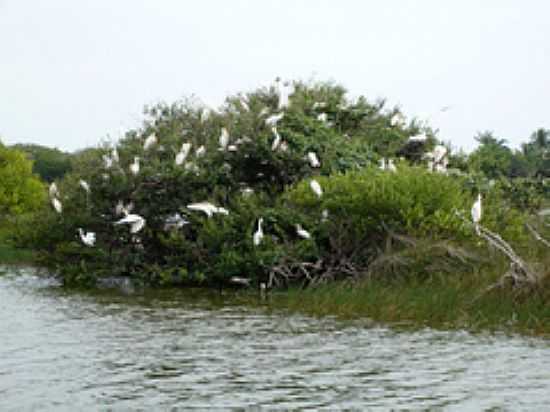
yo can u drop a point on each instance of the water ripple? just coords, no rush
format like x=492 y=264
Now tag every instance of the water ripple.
x=63 y=350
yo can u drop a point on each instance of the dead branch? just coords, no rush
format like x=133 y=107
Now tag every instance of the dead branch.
x=537 y=235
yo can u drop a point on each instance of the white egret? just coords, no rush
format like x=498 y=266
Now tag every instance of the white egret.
x=208 y=208
x=87 y=238
x=319 y=105
x=182 y=154
x=200 y=151
x=277 y=140
x=421 y=137
x=232 y=148
x=114 y=155
x=313 y=159
x=150 y=141
x=56 y=203
x=53 y=191
x=397 y=119
x=135 y=221
x=259 y=234
x=247 y=191
x=134 y=167
x=180 y=158
x=476 y=212
x=284 y=92
x=107 y=161
x=84 y=185
x=224 y=138
x=316 y=187
x=439 y=153
x=322 y=117
x=300 y=231
x=391 y=166
x=205 y=114
x=244 y=104
x=324 y=215
x=274 y=119
x=120 y=209
x=283 y=147
x=382 y=164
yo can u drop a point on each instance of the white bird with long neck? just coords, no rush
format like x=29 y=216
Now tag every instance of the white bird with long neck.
x=208 y=208
x=300 y=231
x=476 y=212
x=316 y=187
x=135 y=221
x=134 y=167
x=259 y=234
x=224 y=138
x=277 y=140
x=150 y=141
x=87 y=238
x=313 y=159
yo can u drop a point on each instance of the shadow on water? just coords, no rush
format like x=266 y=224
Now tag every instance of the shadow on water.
x=72 y=350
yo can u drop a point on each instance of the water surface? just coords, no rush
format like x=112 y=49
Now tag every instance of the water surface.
x=62 y=350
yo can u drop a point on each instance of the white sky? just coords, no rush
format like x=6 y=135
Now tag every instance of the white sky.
x=73 y=72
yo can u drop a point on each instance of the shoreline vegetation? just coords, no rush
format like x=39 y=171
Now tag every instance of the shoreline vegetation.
x=331 y=206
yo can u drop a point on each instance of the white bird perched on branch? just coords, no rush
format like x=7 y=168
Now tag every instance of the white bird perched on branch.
x=316 y=187
x=150 y=141
x=87 y=238
x=382 y=164
x=476 y=212
x=397 y=119
x=224 y=138
x=200 y=151
x=313 y=159
x=134 y=167
x=277 y=140
x=300 y=231
x=259 y=234
x=135 y=221
x=56 y=203
x=53 y=191
x=114 y=155
x=107 y=161
x=439 y=153
x=322 y=117
x=84 y=185
x=274 y=119
x=182 y=154
x=120 y=209
x=208 y=208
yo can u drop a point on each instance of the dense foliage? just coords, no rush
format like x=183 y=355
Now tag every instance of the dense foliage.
x=48 y=163
x=366 y=220
x=20 y=190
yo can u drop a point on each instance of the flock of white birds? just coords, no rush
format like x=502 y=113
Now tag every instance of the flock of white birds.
x=437 y=162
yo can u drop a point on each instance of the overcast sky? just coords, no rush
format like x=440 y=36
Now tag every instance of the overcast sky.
x=74 y=72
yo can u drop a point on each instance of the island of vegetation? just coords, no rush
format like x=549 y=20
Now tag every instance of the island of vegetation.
x=342 y=203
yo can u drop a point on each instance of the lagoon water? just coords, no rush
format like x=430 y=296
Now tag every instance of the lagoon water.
x=66 y=350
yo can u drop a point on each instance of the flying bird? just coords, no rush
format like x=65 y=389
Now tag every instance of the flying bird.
x=87 y=238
